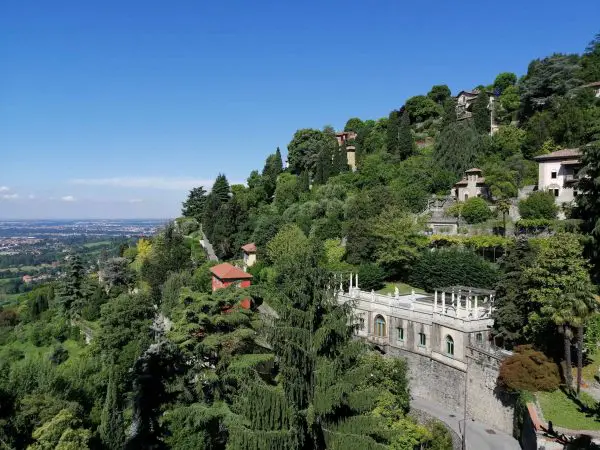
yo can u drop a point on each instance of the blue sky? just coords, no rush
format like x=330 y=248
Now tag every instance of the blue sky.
x=115 y=108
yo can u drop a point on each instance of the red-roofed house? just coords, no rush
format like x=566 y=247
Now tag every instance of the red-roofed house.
x=472 y=185
x=225 y=275
x=249 y=254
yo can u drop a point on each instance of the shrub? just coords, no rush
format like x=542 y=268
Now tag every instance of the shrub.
x=370 y=276
x=452 y=266
x=473 y=210
x=530 y=370
x=539 y=205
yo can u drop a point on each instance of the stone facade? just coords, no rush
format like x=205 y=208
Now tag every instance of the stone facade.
x=347 y=137
x=446 y=340
x=472 y=185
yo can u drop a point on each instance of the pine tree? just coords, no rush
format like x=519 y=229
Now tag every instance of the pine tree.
x=481 y=113
x=406 y=143
x=194 y=205
x=112 y=431
x=221 y=188
x=321 y=395
x=393 y=129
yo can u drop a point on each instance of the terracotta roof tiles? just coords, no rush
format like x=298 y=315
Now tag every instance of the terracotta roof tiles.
x=226 y=271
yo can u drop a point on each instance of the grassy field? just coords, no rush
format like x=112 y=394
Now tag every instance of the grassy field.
x=565 y=412
x=96 y=244
x=590 y=370
x=402 y=287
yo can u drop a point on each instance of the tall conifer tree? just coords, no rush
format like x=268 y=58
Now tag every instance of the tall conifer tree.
x=112 y=431
x=406 y=143
x=221 y=188
x=481 y=113
x=393 y=129
x=320 y=398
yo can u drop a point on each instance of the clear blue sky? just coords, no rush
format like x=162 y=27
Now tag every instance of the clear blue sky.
x=113 y=108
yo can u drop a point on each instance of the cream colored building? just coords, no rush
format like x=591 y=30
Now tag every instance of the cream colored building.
x=472 y=185
x=557 y=173
x=249 y=254
x=343 y=137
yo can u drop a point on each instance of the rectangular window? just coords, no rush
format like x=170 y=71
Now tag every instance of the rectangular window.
x=553 y=174
x=556 y=192
x=361 y=323
x=422 y=339
x=400 y=334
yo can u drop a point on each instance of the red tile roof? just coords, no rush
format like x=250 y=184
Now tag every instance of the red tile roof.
x=226 y=271
x=249 y=248
x=566 y=153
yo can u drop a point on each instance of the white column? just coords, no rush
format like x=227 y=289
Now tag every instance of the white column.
x=476 y=314
x=435 y=301
x=356 y=281
x=350 y=288
x=443 y=302
x=453 y=298
x=490 y=300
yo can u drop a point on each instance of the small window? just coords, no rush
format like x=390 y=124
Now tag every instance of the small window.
x=449 y=345
x=479 y=338
x=466 y=197
x=400 y=331
x=422 y=339
x=379 y=326
x=575 y=193
x=556 y=192
x=553 y=174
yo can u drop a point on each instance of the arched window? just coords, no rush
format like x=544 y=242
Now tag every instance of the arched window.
x=479 y=338
x=379 y=326
x=449 y=345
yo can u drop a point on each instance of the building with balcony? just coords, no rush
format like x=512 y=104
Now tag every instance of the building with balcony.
x=446 y=340
x=440 y=326
x=464 y=106
x=558 y=173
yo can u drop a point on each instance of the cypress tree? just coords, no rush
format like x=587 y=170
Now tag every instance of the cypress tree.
x=393 y=129
x=73 y=291
x=340 y=162
x=112 y=430
x=481 y=113
x=304 y=181
x=210 y=214
x=449 y=115
x=278 y=161
x=321 y=395
x=406 y=144
x=323 y=166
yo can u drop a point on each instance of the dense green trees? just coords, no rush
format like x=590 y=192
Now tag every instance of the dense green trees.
x=306 y=147
x=589 y=199
x=538 y=205
x=481 y=113
x=458 y=147
x=452 y=267
x=194 y=205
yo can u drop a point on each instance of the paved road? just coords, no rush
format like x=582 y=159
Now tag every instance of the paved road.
x=479 y=436
x=209 y=248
